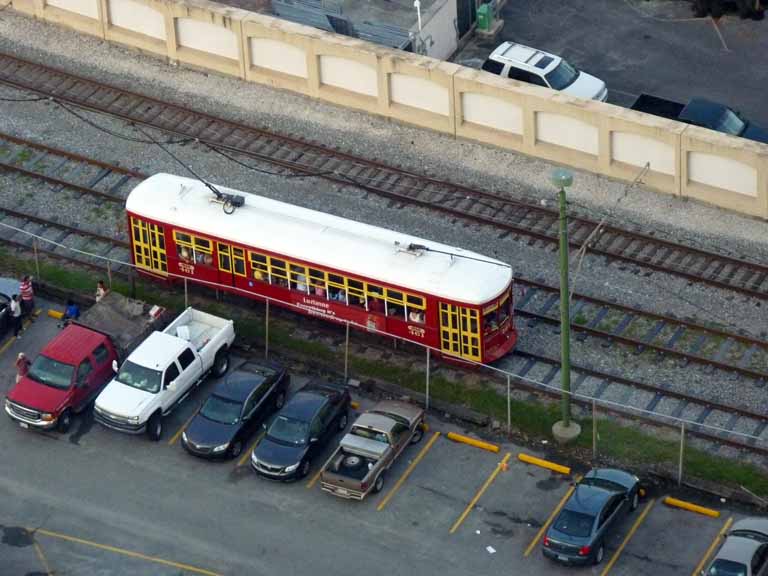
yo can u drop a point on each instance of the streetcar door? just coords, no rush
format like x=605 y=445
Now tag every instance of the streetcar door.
x=231 y=264
x=149 y=246
x=460 y=331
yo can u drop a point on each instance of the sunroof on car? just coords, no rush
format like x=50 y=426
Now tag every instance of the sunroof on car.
x=544 y=62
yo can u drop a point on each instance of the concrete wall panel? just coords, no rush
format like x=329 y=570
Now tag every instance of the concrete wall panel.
x=137 y=17
x=566 y=131
x=492 y=112
x=348 y=74
x=637 y=150
x=87 y=8
x=419 y=93
x=719 y=172
x=278 y=56
x=206 y=37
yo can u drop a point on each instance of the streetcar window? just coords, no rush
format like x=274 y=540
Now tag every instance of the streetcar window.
x=182 y=238
x=415 y=301
x=225 y=259
x=394 y=296
x=504 y=311
x=491 y=321
x=278 y=268
x=238 y=258
x=375 y=291
x=298 y=278
x=259 y=267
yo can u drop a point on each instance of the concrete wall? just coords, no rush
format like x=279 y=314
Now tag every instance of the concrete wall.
x=683 y=160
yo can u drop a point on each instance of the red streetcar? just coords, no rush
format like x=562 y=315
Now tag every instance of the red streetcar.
x=457 y=301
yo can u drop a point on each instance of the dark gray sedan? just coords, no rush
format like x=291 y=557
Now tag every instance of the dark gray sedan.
x=744 y=551
x=600 y=500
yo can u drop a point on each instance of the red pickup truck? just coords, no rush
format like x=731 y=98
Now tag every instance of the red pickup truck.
x=76 y=364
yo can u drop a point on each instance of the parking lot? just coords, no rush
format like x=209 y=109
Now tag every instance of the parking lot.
x=637 y=46
x=95 y=501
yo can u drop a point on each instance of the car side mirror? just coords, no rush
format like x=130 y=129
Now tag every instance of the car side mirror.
x=114 y=366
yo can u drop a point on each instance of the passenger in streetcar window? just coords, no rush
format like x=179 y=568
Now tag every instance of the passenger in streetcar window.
x=416 y=316
x=376 y=305
x=259 y=275
x=282 y=282
x=184 y=254
x=319 y=291
x=396 y=310
x=338 y=295
x=208 y=260
x=491 y=321
x=301 y=283
x=357 y=301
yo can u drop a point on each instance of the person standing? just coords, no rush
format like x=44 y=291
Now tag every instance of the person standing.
x=16 y=315
x=27 y=296
x=22 y=366
x=101 y=290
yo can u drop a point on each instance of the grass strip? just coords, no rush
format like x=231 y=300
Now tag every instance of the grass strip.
x=620 y=443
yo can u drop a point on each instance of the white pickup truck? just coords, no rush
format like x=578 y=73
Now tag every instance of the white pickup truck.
x=162 y=371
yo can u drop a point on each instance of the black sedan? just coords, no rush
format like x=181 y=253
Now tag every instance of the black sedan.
x=599 y=501
x=301 y=430
x=233 y=411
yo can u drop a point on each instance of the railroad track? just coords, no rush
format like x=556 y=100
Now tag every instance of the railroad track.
x=608 y=321
x=407 y=188
x=654 y=404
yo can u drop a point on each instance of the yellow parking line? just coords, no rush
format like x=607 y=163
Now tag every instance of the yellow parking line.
x=42 y=558
x=501 y=465
x=7 y=344
x=546 y=524
x=407 y=472
x=705 y=558
x=125 y=552
x=628 y=537
x=247 y=453
x=315 y=478
x=180 y=431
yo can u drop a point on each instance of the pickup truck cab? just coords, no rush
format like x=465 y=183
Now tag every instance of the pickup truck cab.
x=163 y=370
x=369 y=449
x=704 y=113
x=63 y=379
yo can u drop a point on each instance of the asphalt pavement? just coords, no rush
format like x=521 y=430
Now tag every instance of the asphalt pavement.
x=646 y=46
x=98 y=502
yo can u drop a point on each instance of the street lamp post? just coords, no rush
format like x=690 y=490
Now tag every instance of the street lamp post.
x=564 y=430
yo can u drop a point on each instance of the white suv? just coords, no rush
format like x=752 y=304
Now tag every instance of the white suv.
x=541 y=68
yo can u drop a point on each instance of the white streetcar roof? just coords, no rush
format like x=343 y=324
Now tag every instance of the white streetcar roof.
x=323 y=239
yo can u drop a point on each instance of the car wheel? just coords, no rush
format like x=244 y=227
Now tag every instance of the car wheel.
x=221 y=363
x=418 y=434
x=343 y=419
x=235 y=449
x=635 y=502
x=599 y=554
x=280 y=400
x=378 y=486
x=65 y=421
x=155 y=427
x=304 y=468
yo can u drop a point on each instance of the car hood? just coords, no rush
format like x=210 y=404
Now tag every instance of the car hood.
x=588 y=87
x=756 y=133
x=277 y=454
x=123 y=400
x=38 y=396
x=204 y=432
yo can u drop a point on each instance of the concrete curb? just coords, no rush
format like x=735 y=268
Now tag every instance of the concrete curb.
x=472 y=442
x=544 y=464
x=674 y=502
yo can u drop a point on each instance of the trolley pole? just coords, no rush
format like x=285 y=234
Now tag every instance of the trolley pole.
x=564 y=430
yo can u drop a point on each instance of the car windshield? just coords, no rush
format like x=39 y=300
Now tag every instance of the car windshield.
x=140 y=377
x=289 y=431
x=722 y=567
x=574 y=523
x=222 y=410
x=51 y=372
x=562 y=76
x=603 y=483
x=730 y=123
x=371 y=434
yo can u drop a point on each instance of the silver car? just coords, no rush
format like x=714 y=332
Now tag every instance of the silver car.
x=744 y=552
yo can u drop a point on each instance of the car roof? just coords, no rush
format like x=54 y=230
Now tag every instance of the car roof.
x=158 y=350
x=703 y=111
x=620 y=477
x=238 y=385
x=588 y=499
x=526 y=57
x=73 y=344
x=738 y=549
x=307 y=401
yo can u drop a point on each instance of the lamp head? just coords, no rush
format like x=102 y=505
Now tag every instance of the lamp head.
x=561 y=178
